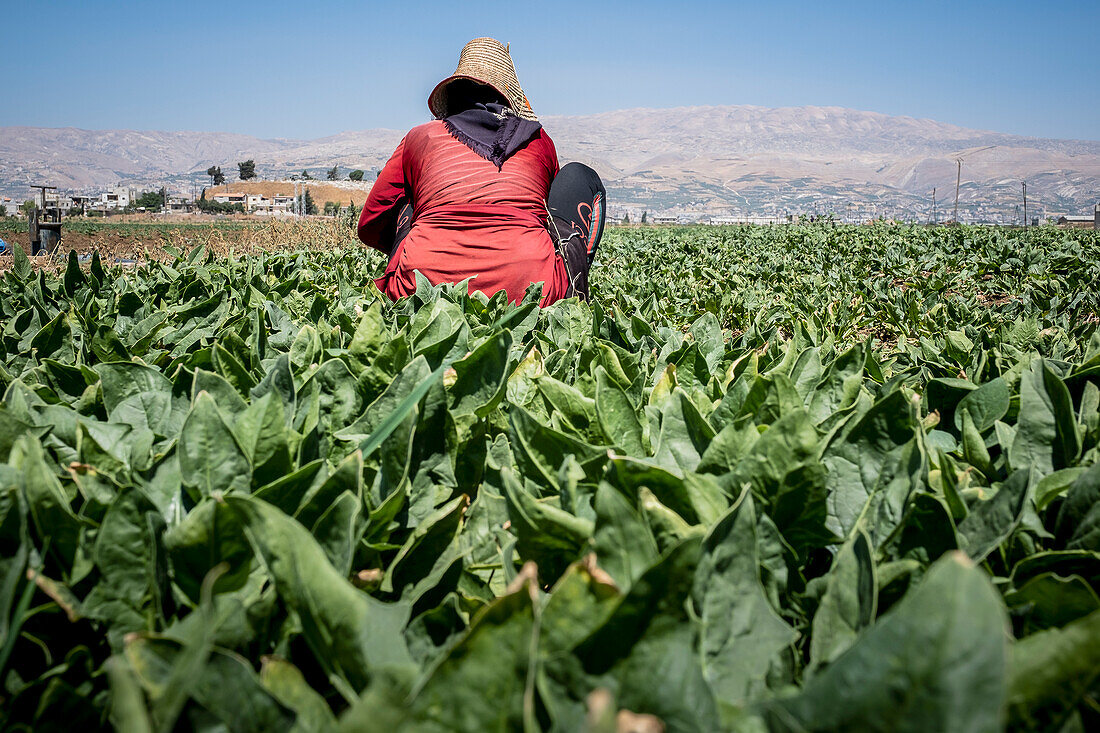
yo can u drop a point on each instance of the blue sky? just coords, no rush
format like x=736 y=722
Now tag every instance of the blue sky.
x=312 y=67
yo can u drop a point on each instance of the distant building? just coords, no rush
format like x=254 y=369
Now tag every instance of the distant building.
x=83 y=202
x=180 y=204
x=118 y=197
x=728 y=220
x=228 y=197
x=665 y=220
x=1080 y=221
x=260 y=204
x=282 y=203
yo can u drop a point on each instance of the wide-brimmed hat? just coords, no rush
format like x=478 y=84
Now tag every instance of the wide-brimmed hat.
x=486 y=61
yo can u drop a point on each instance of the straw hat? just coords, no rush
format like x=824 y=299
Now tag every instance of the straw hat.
x=487 y=61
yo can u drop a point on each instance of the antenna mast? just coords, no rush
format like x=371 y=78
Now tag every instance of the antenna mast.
x=958 y=175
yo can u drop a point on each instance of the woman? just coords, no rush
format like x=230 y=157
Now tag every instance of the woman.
x=477 y=194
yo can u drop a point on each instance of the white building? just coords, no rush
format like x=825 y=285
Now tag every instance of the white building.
x=276 y=205
x=118 y=197
x=10 y=205
x=180 y=203
x=727 y=220
x=228 y=197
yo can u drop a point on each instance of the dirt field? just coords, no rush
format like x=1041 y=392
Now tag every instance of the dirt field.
x=147 y=238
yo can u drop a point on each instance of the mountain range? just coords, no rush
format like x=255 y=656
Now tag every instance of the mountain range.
x=732 y=160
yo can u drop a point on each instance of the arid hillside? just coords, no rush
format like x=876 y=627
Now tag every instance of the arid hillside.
x=689 y=159
x=341 y=192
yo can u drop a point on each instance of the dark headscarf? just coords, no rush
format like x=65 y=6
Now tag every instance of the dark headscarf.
x=491 y=130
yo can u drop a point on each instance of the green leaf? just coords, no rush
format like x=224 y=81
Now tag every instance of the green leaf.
x=481 y=378
x=991 y=521
x=936 y=661
x=850 y=602
x=226 y=686
x=1049 y=600
x=985 y=405
x=402 y=410
x=210 y=457
x=647 y=631
x=489 y=670
x=262 y=431
x=874 y=453
x=210 y=534
x=74 y=276
x=741 y=635
x=130 y=555
x=617 y=416
x=47 y=504
x=838 y=387
x=1047 y=436
x=225 y=395
x=684 y=434
x=21 y=264
x=353 y=635
x=1078 y=522
x=287 y=685
x=1052 y=671
x=624 y=546
x=549 y=536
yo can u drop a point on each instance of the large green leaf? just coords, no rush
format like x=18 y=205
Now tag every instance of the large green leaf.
x=1052 y=671
x=849 y=603
x=937 y=661
x=481 y=377
x=211 y=459
x=353 y=635
x=741 y=634
x=1047 y=437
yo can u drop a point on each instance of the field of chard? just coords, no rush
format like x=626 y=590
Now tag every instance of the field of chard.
x=771 y=479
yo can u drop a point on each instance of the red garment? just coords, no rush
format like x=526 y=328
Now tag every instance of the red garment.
x=472 y=220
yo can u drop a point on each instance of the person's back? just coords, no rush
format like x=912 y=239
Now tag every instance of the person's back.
x=475 y=194
x=472 y=219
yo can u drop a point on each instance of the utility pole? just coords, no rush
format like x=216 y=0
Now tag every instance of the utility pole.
x=934 y=221
x=1024 y=185
x=958 y=180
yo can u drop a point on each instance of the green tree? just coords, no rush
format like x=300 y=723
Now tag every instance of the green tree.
x=27 y=207
x=351 y=215
x=3 y=210
x=332 y=208
x=333 y=174
x=215 y=172
x=626 y=218
x=148 y=200
x=311 y=205
x=355 y=175
x=214 y=207
x=247 y=169
x=644 y=213
x=306 y=175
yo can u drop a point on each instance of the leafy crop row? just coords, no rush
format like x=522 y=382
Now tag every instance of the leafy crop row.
x=251 y=494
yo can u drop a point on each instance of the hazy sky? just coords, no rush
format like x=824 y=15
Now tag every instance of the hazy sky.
x=312 y=68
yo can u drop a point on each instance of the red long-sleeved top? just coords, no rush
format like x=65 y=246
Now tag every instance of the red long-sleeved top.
x=472 y=220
